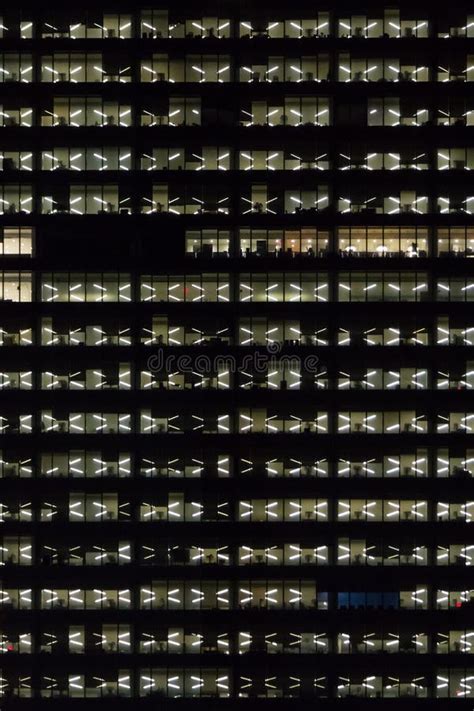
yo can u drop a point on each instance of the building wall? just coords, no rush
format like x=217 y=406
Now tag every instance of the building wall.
x=236 y=340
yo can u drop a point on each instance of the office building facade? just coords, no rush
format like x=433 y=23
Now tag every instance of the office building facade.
x=236 y=340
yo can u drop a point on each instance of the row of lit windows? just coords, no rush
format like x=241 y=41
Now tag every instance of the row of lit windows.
x=75 y=67
x=178 y=594
x=288 y=372
x=360 y=552
x=80 y=507
x=122 y=638
x=197 y=682
x=223 y=158
x=162 y=329
x=275 y=111
x=216 y=287
x=203 y=199
x=146 y=639
x=78 y=464
x=386 y=23
x=249 y=420
x=173 y=111
x=309 y=241
x=346 y=241
x=318 y=111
